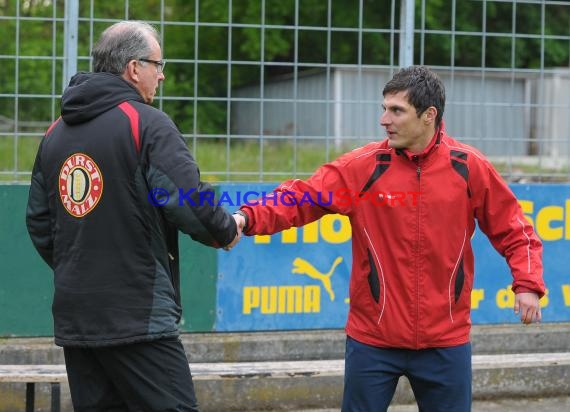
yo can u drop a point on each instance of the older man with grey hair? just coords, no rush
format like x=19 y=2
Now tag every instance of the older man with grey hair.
x=113 y=184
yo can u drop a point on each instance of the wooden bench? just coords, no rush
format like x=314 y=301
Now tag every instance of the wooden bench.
x=32 y=374
x=56 y=374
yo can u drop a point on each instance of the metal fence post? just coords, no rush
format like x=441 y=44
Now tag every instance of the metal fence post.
x=70 y=40
x=406 y=55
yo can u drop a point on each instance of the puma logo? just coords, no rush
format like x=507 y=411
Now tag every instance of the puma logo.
x=302 y=267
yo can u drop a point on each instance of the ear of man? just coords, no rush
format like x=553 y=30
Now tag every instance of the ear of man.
x=131 y=73
x=429 y=115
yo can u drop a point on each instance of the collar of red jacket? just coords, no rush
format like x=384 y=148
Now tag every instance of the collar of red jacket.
x=434 y=142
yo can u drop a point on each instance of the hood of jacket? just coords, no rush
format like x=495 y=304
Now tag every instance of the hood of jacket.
x=90 y=94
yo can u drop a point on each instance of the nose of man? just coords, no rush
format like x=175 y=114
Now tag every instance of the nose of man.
x=384 y=119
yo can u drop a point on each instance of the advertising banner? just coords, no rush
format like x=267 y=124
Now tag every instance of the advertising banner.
x=298 y=279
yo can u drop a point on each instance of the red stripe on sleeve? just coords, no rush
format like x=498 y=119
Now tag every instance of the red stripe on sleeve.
x=133 y=116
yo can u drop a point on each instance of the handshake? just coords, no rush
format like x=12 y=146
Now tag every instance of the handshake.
x=241 y=220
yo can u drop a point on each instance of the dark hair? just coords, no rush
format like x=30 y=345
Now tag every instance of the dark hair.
x=424 y=88
x=121 y=43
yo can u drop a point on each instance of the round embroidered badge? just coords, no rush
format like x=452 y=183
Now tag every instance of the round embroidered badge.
x=80 y=184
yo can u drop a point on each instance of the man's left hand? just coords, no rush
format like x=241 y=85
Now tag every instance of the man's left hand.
x=528 y=307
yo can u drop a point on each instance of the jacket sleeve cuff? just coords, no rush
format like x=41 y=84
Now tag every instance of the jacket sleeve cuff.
x=522 y=289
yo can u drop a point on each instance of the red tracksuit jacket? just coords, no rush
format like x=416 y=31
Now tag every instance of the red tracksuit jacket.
x=412 y=220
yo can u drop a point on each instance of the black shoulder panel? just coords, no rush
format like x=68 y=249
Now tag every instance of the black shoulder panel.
x=459 y=164
x=383 y=164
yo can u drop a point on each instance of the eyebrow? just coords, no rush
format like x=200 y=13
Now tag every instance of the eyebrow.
x=393 y=106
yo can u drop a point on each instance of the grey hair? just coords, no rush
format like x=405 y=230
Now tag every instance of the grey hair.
x=121 y=43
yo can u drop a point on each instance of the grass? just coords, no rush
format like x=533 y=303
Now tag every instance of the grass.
x=26 y=148
x=524 y=171
x=249 y=160
x=240 y=161
x=252 y=161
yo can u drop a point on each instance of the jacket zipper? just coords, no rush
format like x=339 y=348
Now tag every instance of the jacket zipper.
x=416 y=159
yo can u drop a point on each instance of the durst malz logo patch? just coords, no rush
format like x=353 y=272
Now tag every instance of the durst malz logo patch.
x=80 y=184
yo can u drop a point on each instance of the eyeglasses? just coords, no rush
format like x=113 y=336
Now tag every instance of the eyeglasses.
x=158 y=63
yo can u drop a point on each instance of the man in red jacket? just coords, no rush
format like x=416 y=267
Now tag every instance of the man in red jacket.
x=413 y=201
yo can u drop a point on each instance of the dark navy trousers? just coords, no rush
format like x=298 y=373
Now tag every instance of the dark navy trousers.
x=440 y=377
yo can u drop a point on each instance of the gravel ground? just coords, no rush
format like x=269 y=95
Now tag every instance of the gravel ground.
x=507 y=405
x=558 y=404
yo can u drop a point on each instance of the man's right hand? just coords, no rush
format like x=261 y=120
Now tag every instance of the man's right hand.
x=240 y=221
x=240 y=224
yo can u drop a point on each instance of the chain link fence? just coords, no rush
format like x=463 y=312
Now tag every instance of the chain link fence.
x=264 y=90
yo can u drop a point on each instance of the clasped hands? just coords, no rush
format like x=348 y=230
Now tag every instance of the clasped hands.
x=240 y=224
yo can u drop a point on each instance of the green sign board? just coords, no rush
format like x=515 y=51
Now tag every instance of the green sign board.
x=26 y=282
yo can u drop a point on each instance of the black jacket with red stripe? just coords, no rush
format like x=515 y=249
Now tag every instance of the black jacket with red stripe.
x=113 y=183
